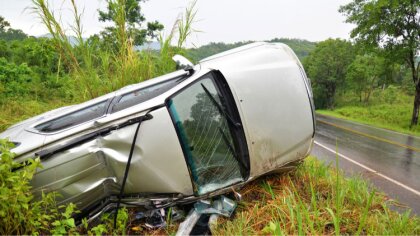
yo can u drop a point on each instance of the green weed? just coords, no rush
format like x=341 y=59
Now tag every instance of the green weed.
x=309 y=201
x=390 y=109
x=19 y=213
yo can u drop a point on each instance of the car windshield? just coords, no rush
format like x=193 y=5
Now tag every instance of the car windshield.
x=205 y=136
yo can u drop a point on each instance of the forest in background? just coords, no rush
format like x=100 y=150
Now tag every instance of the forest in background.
x=301 y=47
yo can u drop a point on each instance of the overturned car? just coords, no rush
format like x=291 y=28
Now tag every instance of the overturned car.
x=192 y=134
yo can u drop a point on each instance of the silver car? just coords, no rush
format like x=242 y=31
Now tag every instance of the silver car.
x=194 y=133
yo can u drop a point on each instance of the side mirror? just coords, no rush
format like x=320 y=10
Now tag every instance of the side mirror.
x=182 y=63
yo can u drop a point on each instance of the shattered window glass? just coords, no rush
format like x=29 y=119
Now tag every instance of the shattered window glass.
x=205 y=135
x=72 y=119
x=144 y=94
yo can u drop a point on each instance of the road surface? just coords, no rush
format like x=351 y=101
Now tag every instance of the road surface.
x=390 y=160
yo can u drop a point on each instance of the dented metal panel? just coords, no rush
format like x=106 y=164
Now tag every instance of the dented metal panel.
x=94 y=170
x=79 y=175
x=158 y=164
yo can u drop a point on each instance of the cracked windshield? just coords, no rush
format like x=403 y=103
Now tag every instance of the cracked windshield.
x=205 y=135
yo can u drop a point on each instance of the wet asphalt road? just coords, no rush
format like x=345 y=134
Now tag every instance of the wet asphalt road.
x=389 y=160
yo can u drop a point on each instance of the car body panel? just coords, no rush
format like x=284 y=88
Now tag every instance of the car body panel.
x=19 y=135
x=98 y=166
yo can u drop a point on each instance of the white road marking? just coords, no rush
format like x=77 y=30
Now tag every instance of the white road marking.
x=369 y=169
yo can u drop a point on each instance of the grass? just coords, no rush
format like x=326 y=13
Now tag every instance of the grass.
x=315 y=199
x=13 y=111
x=382 y=116
x=389 y=109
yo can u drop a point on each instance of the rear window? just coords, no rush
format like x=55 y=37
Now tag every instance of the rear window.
x=144 y=94
x=74 y=118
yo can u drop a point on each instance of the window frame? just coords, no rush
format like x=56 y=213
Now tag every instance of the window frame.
x=117 y=99
x=107 y=103
x=238 y=134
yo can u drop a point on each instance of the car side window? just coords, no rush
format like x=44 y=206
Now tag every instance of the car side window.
x=74 y=118
x=205 y=136
x=143 y=94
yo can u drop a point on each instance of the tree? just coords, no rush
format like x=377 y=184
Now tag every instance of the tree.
x=364 y=73
x=128 y=23
x=393 y=25
x=7 y=33
x=4 y=49
x=3 y=24
x=327 y=67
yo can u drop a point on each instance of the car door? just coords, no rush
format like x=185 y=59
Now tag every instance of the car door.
x=91 y=167
x=210 y=133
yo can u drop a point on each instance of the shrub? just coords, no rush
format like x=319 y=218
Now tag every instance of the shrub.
x=15 y=80
x=18 y=213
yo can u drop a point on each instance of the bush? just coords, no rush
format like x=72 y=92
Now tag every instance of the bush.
x=390 y=94
x=15 y=80
x=18 y=213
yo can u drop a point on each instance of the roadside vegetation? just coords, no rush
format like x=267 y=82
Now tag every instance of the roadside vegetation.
x=365 y=88
x=388 y=108
x=375 y=78
x=318 y=200
x=38 y=74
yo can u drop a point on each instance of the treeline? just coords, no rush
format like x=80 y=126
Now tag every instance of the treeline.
x=300 y=47
x=384 y=52
x=339 y=68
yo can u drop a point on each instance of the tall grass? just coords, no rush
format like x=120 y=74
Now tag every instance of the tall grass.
x=12 y=112
x=185 y=24
x=87 y=70
x=96 y=70
x=315 y=199
x=79 y=62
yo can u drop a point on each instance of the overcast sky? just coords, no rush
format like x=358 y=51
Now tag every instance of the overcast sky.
x=218 y=20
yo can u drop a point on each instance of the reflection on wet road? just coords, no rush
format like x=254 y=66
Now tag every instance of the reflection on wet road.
x=391 y=161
